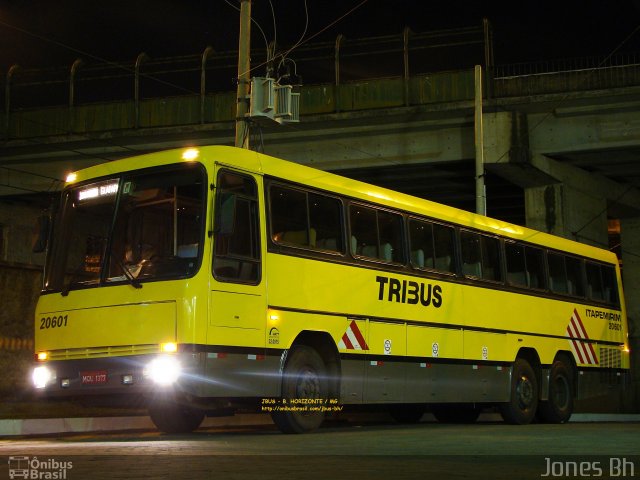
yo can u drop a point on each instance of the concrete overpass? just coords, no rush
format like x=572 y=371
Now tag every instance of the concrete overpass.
x=562 y=143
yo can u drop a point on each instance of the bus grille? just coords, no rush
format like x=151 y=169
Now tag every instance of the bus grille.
x=118 y=351
x=610 y=357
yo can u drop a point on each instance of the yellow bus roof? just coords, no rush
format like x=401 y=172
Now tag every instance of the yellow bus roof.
x=294 y=172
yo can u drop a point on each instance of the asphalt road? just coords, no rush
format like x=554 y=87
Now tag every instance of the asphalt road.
x=353 y=450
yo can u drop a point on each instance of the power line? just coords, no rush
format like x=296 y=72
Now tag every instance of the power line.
x=43 y=38
x=303 y=41
x=304 y=32
x=92 y=56
x=99 y=59
x=266 y=42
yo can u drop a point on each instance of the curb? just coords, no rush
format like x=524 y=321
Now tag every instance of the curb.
x=48 y=426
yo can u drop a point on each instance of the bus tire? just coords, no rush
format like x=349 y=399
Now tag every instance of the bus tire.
x=456 y=413
x=559 y=407
x=409 y=413
x=172 y=417
x=521 y=408
x=304 y=377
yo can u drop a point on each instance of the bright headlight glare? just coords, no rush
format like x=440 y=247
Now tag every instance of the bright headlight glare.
x=42 y=376
x=163 y=370
x=169 y=347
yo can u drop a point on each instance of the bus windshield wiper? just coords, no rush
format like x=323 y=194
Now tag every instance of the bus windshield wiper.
x=72 y=281
x=127 y=273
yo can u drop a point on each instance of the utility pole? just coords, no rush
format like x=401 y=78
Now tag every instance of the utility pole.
x=481 y=196
x=244 y=67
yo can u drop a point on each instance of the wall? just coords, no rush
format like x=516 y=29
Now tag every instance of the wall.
x=20 y=283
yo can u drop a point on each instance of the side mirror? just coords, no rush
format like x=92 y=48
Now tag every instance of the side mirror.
x=226 y=215
x=41 y=234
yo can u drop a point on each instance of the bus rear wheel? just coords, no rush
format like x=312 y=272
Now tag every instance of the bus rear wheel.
x=173 y=417
x=559 y=407
x=304 y=379
x=521 y=408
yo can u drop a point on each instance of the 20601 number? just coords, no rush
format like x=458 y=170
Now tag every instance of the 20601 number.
x=53 y=322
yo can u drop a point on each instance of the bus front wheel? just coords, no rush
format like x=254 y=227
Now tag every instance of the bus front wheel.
x=521 y=408
x=304 y=387
x=559 y=407
x=173 y=417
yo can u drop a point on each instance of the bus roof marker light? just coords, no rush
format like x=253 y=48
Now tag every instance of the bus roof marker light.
x=42 y=356
x=72 y=177
x=190 y=154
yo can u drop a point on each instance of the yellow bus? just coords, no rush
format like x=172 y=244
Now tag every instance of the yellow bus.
x=211 y=279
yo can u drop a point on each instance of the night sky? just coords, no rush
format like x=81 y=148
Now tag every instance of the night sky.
x=118 y=30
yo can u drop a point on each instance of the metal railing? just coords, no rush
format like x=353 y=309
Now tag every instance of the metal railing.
x=349 y=74
x=567 y=75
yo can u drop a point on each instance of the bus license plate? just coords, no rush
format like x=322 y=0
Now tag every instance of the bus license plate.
x=94 y=377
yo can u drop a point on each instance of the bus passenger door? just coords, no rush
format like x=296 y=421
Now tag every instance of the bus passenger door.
x=238 y=309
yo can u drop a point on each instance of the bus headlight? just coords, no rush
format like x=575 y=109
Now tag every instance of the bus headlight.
x=163 y=370
x=42 y=376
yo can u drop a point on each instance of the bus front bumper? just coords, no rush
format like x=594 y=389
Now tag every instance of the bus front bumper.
x=136 y=374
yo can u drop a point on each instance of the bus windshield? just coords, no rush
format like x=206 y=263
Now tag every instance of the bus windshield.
x=131 y=228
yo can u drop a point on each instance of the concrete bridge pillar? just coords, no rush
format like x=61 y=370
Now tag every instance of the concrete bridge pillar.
x=562 y=210
x=630 y=242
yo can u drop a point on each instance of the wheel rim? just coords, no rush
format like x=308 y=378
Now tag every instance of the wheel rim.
x=308 y=385
x=525 y=392
x=561 y=392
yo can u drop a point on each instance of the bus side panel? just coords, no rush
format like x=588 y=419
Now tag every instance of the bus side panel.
x=243 y=374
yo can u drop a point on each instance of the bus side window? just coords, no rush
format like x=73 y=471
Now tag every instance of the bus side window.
x=534 y=258
x=470 y=250
x=490 y=248
x=364 y=230
x=515 y=264
x=601 y=283
x=390 y=231
x=325 y=217
x=421 y=244
x=575 y=277
x=289 y=217
x=444 y=244
x=557 y=274
x=378 y=233
x=610 y=284
x=480 y=256
x=525 y=265
x=594 y=282
x=306 y=219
